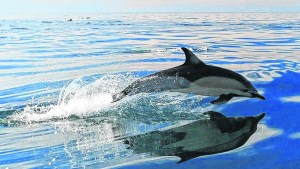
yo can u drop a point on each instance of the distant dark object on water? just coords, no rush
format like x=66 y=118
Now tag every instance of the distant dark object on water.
x=46 y=22
x=88 y=17
x=214 y=134
x=70 y=20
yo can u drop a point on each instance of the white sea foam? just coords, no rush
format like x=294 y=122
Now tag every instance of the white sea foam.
x=79 y=98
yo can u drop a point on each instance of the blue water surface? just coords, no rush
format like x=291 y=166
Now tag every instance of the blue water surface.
x=57 y=78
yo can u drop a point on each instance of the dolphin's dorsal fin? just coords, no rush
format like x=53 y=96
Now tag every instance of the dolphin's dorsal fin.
x=191 y=58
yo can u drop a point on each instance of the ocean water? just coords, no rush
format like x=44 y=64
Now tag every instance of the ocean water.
x=57 y=77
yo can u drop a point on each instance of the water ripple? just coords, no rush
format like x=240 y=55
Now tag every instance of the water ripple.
x=57 y=78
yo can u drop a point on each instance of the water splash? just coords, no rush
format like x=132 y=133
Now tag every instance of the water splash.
x=90 y=96
x=81 y=97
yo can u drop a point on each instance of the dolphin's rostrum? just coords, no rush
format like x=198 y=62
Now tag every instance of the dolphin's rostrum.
x=196 y=77
x=214 y=134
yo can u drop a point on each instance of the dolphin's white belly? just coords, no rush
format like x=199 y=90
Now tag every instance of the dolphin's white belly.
x=214 y=86
x=206 y=91
x=219 y=82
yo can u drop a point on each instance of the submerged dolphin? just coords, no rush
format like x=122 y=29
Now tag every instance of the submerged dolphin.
x=194 y=76
x=214 y=134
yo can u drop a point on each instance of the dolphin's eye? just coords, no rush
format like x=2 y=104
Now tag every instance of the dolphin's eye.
x=245 y=90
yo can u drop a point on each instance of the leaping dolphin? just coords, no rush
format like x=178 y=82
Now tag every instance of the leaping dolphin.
x=196 y=77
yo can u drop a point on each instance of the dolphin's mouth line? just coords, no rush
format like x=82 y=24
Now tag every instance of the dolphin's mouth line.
x=257 y=95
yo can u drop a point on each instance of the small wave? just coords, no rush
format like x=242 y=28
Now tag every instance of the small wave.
x=254 y=75
x=196 y=24
x=19 y=29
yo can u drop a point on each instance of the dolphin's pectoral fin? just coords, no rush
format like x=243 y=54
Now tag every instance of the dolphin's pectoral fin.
x=187 y=155
x=224 y=98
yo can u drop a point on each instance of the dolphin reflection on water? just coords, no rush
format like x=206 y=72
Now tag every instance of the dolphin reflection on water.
x=214 y=134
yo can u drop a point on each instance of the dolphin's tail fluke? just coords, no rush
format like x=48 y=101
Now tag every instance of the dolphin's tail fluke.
x=118 y=96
